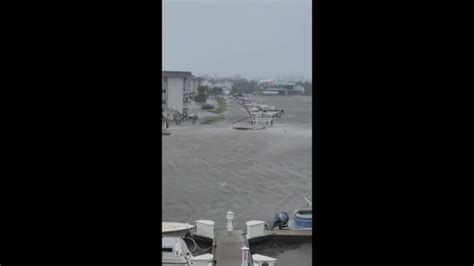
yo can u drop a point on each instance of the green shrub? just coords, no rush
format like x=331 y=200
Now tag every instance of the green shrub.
x=207 y=106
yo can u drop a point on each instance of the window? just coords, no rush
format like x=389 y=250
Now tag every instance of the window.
x=163 y=102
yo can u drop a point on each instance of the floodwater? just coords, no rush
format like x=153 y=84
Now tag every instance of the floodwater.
x=211 y=169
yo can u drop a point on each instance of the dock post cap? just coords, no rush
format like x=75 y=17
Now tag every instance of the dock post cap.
x=230 y=216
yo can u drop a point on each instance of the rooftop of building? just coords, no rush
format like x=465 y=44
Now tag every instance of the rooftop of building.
x=275 y=89
x=176 y=74
x=285 y=83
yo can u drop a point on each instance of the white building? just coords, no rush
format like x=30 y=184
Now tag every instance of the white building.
x=206 y=83
x=225 y=85
x=194 y=86
x=175 y=89
x=299 y=89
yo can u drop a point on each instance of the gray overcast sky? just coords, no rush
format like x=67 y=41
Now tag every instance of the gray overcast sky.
x=252 y=38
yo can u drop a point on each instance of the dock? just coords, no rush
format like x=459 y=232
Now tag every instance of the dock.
x=228 y=249
x=283 y=236
x=300 y=233
x=228 y=244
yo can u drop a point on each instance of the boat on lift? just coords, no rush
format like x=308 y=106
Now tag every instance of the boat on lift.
x=175 y=246
x=175 y=252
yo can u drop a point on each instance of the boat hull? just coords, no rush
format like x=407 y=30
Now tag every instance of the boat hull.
x=176 y=229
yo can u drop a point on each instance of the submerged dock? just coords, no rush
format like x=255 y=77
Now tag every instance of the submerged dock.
x=228 y=249
x=298 y=233
x=229 y=244
x=232 y=247
x=283 y=236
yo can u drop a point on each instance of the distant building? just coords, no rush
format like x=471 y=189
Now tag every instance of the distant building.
x=175 y=89
x=205 y=83
x=194 y=87
x=299 y=89
x=286 y=85
x=280 y=88
x=266 y=83
x=225 y=85
x=200 y=80
x=274 y=91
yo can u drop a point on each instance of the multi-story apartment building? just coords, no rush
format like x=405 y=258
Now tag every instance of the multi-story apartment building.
x=175 y=89
x=194 y=87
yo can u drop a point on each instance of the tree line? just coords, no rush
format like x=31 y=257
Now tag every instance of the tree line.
x=204 y=92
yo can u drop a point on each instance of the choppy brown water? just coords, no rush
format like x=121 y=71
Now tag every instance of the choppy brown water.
x=211 y=169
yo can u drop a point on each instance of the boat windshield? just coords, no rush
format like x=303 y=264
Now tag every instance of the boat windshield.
x=166 y=249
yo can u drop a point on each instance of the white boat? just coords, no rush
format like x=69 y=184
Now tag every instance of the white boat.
x=175 y=229
x=175 y=252
x=174 y=249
